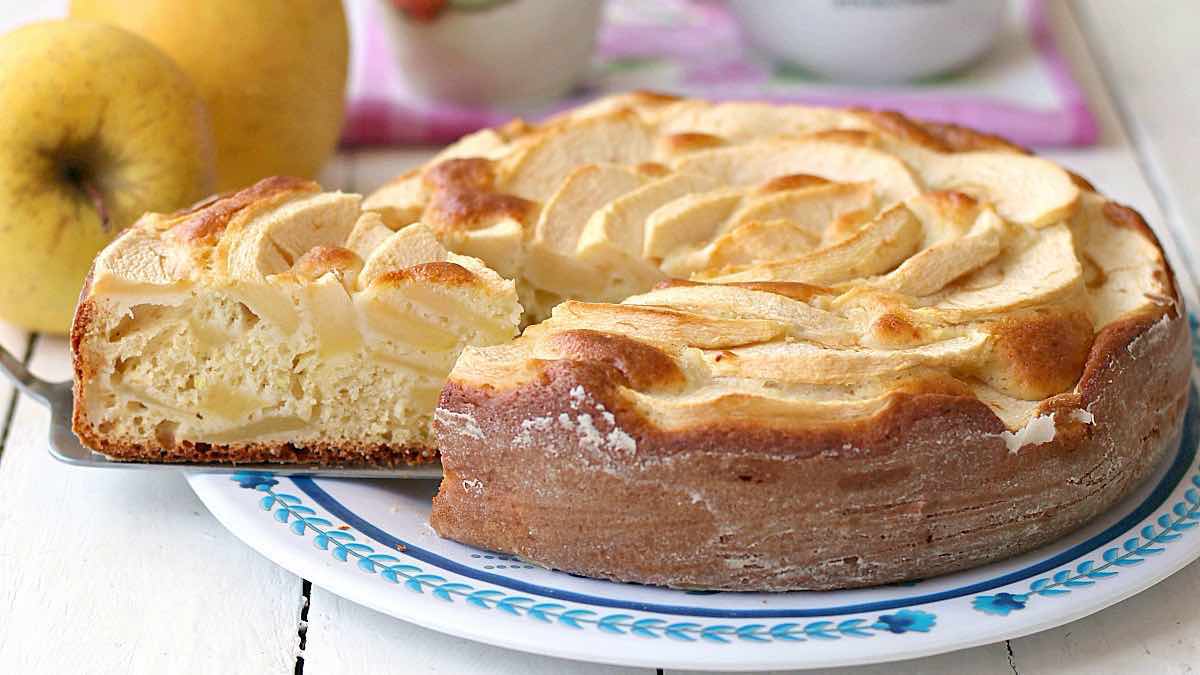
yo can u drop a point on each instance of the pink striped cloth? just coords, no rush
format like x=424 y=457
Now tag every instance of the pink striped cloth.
x=1024 y=90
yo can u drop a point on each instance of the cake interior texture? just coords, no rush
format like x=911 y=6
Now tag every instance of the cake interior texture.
x=279 y=323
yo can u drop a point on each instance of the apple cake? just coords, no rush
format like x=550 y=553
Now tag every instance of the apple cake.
x=280 y=323
x=778 y=347
x=765 y=347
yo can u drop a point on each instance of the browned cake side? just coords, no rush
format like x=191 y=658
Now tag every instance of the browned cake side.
x=922 y=488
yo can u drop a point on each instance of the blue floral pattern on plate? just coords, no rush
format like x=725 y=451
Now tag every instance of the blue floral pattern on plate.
x=301 y=519
x=1151 y=539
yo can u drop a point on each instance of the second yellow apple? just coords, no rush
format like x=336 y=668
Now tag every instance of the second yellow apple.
x=272 y=72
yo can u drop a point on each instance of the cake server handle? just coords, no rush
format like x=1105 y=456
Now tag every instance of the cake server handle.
x=31 y=385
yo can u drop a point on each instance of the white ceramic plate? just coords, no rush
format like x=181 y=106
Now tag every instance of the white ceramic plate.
x=369 y=541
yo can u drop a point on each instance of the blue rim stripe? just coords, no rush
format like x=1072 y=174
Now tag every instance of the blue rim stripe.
x=1179 y=467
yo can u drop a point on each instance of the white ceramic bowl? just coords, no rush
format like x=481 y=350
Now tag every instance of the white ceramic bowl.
x=515 y=52
x=872 y=40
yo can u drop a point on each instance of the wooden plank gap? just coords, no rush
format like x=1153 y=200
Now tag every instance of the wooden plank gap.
x=6 y=425
x=302 y=625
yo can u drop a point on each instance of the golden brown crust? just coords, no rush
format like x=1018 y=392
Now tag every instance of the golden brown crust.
x=322 y=259
x=898 y=125
x=438 y=272
x=1041 y=352
x=690 y=141
x=204 y=222
x=652 y=98
x=468 y=173
x=463 y=196
x=637 y=365
x=1081 y=182
x=470 y=210
x=82 y=321
x=860 y=137
x=939 y=136
x=652 y=169
x=962 y=139
x=894 y=330
x=792 y=182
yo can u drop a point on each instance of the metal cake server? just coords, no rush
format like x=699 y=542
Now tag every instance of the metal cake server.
x=65 y=447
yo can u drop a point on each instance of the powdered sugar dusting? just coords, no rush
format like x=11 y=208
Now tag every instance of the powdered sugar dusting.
x=619 y=440
x=462 y=423
x=607 y=436
x=577 y=395
x=1084 y=416
x=529 y=427
x=1147 y=340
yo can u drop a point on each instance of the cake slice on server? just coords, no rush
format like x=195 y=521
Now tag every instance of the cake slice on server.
x=279 y=323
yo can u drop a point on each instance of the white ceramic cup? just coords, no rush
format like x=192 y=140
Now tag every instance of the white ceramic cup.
x=872 y=40
x=516 y=52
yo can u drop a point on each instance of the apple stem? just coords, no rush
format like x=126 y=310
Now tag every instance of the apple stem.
x=98 y=202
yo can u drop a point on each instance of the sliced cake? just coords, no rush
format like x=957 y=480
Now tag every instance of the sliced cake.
x=280 y=323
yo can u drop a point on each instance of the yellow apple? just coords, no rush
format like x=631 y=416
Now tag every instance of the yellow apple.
x=97 y=126
x=273 y=73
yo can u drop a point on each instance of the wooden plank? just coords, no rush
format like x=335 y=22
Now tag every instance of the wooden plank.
x=16 y=341
x=345 y=637
x=124 y=571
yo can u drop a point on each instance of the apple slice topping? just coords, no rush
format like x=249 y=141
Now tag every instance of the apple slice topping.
x=804 y=362
x=876 y=248
x=551 y=263
x=932 y=269
x=404 y=248
x=1023 y=189
x=542 y=161
x=755 y=163
x=732 y=302
x=1038 y=271
x=270 y=242
x=666 y=326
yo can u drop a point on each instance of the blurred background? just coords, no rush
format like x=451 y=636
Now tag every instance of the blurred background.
x=430 y=74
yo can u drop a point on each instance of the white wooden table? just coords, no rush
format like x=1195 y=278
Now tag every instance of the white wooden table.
x=125 y=571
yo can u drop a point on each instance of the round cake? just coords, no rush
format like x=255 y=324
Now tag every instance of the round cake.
x=779 y=347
